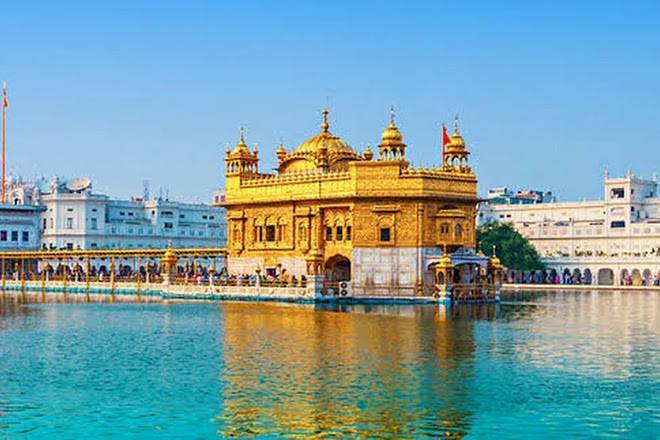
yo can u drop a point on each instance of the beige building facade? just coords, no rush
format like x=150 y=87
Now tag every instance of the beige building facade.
x=612 y=241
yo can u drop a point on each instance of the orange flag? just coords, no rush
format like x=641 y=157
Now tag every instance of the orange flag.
x=445 y=136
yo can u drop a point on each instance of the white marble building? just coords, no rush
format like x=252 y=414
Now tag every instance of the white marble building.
x=20 y=227
x=608 y=241
x=75 y=217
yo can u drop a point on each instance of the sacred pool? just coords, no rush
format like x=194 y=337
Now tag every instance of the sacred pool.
x=557 y=365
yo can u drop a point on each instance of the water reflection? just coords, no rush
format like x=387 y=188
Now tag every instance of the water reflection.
x=363 y=371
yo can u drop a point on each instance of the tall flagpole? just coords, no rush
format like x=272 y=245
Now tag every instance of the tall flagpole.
x=443 y=145
x=4 y=111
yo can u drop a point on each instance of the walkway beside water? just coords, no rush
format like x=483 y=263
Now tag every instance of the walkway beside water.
x=573 y=287
x=312 y=292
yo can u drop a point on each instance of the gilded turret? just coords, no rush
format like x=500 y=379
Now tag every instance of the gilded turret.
x=241 y=160
x=168 y=264
x=391 y=142
x=280 y=153
x=241 y=147
x=456 y=157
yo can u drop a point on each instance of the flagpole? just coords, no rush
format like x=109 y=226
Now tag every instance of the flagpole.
x=4 y=110
x=443 y=146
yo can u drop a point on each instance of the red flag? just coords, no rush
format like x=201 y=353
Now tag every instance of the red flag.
x=445 y=136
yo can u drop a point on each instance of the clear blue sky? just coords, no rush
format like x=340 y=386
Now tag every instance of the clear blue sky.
x=549 y=93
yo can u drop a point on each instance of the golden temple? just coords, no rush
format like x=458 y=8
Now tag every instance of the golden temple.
x=329 y=211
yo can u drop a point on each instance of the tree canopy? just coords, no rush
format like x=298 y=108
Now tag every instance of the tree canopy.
x=513 y=250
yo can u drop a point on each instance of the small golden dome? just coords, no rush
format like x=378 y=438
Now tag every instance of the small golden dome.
x=494 y=260
x=444 y=261
x=391 y=135
x=241 y=146
x=281 y=152
x=368 y=155
x=456 y=142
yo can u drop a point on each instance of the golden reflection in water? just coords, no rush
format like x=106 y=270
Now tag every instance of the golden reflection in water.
x=368 y=372
x=595 y=331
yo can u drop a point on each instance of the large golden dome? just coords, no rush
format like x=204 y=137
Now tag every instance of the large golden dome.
x=334 y=144
x=325 y=150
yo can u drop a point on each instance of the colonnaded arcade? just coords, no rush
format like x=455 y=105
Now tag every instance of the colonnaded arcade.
x=374 y=219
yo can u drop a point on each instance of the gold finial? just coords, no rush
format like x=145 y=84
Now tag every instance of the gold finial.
x=392 y=115
x=281 y=151
x=455 y=124
x=325 y=126
x=242 y=136
x=368 y=155
x=494 y=251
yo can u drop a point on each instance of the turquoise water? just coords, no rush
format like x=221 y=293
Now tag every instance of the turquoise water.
x=538 y=365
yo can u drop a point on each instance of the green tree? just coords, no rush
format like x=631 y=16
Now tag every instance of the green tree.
x=513 y=249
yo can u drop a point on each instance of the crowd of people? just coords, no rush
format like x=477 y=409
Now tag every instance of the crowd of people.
x=574 y=278
x=186 y=274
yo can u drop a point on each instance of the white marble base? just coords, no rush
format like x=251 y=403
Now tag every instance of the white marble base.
x=391 y=271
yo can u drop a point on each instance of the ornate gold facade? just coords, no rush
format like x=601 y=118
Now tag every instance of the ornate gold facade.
x=326 y=201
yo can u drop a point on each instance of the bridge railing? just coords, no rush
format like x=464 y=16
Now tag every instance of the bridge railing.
x=473 y=291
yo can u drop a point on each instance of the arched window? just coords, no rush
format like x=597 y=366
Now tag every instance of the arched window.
x=444 y=229
x=458 y=231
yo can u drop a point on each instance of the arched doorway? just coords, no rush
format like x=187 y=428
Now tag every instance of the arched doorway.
x=430 y=277
x=467 y=273
x=636 y=277
x=588 y=277
x=605 y=277
x=577 y=276
x=338 y=268
x=647 y=277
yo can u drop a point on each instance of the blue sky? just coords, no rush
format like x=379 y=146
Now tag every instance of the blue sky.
x=549 y=93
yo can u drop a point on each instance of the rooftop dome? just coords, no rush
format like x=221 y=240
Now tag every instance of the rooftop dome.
x=391 y=135
x=456 y=142
x=334 y=144
x=241 y=146
x=324 y=150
